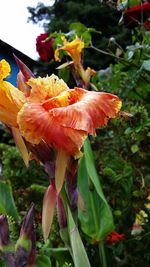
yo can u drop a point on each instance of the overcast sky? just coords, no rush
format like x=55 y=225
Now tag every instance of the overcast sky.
x=14 y=28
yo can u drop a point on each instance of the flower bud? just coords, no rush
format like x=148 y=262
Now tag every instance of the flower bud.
x=112 y=40
x=6 y=248
x=25 y=246
x=49 y=203
x=4 y=231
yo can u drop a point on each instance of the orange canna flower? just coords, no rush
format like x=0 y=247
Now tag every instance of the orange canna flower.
x=74 y=49
x=46 y=111
x=65 y=120
x=52 y=112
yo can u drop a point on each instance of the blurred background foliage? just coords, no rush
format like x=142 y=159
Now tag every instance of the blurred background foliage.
x=121 y=150
x=93 y=14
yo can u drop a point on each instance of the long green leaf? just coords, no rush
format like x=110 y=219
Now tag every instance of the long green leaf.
x=7 y=204
x=79 y=254
x=97 y=220
x=43 y=261
x=62 y=255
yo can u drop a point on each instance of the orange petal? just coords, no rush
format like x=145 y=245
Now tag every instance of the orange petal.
x=74 y=49
x=92 y=110
x=21 y=145
x=60 y=170
x=45 y=88
x=36 y=124
x=49 y=204
x=11 y=101
x=66 y=127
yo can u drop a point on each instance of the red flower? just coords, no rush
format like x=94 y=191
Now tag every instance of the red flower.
x=137 y=14
x=44 y=47
x=147 y=24
x=115 y=237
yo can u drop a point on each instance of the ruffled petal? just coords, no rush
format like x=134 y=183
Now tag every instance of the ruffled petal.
x=87 y=110
x=45 y=88
x=65 y=124
x=37 y=124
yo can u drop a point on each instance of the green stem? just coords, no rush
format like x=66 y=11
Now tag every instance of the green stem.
x=95 y=219
x=102 y=254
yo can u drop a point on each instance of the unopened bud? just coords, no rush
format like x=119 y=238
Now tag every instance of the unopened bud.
x=25 y=245
x=28 y=222
x=4 y=231
x=112 y=40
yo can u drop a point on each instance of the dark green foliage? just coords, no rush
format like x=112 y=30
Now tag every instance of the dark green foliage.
x=122 y=153
x=92 y=14
x=14 y=168
x=22 y=179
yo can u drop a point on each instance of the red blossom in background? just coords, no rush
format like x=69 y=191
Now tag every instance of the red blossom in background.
x=137 y=14
x=44 y=47
x=147 y=24
x=115 y=237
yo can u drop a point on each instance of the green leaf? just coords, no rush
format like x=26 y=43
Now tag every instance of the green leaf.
x=78 y=27
x=146 y=64
x=7 y=204
x=64 y=74
x=62 y=255
x=97 y=221
x=43 y=261
x=79 y=254
x=89 y=161
x=81 y=31
x=86 y=37
x=134 y=148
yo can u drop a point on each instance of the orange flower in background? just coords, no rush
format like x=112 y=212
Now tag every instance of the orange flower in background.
x=74 y=49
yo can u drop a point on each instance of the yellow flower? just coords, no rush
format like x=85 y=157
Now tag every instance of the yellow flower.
x=148 y=198
x=11 y=99
x=74 y=49
x=141 y=217
x=4 y=69
x=147 y=205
